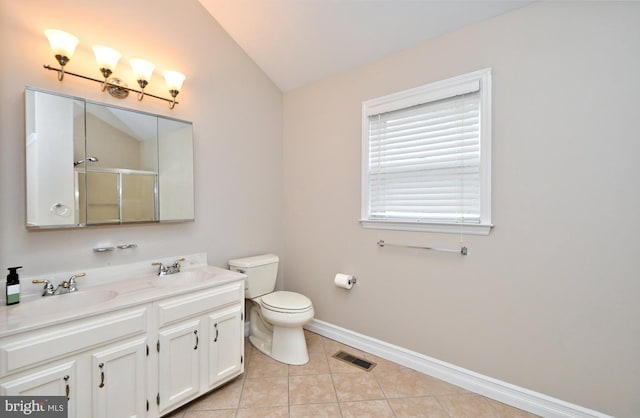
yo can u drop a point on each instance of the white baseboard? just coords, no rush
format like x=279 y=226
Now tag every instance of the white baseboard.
x=507 y=393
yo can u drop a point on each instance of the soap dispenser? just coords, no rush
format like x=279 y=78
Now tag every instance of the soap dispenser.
x=13 y=286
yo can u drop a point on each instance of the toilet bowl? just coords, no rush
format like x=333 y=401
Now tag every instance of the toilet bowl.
x=276 y=318
x=276 y=326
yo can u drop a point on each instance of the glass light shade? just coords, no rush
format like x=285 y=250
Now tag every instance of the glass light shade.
x=174 y=79
x=106 y=57
x=142 y=69
x=62 y=43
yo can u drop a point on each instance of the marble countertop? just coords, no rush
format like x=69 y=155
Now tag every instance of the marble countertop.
x=110 y=289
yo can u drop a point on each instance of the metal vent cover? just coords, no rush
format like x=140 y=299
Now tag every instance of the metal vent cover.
x=354 y=361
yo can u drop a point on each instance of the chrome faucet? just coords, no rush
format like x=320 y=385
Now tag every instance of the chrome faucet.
x=48 y=287
x=70 y=285
x=162 y=269
x=165 y=270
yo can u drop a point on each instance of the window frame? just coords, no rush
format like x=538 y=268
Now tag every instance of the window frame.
x=424 y=94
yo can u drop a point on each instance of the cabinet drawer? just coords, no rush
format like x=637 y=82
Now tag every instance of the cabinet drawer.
x=191 y=304
x=60 y=340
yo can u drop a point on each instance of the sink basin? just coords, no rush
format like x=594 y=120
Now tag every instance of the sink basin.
x=43 y=305
x=183 y=278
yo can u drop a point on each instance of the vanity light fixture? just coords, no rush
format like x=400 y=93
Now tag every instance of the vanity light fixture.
x=142 y=70
x=107 y=59
x=64 y=44
x=174 y=80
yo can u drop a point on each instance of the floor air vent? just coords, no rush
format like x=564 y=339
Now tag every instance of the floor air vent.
x=355 y=361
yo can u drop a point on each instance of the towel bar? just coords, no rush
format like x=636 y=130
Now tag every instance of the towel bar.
x=462 y=250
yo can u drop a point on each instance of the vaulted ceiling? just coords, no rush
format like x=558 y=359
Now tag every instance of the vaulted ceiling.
x=296 y=42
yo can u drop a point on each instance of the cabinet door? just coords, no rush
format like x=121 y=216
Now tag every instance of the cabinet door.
x=57 y=380
x=226 y=344
x=119 y=380
x=178 y=356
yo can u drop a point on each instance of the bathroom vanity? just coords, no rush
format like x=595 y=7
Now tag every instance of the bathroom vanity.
x=128 y=343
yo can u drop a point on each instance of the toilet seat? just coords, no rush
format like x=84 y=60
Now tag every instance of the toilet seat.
x=286 y=302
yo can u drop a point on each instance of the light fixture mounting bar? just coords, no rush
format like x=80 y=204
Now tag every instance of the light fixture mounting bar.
x=59 y=70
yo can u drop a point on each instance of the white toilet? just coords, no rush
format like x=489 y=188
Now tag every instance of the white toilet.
x=276 y=318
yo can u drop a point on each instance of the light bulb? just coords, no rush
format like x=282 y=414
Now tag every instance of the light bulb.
x=174 y=80
x=106 y=57
x=142 y=69
x=62 y=43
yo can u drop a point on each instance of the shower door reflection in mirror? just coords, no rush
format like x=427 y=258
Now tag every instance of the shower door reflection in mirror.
x=119 y=168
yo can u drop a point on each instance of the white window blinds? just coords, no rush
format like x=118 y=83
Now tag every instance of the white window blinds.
x=427 y=157
x=424 y=162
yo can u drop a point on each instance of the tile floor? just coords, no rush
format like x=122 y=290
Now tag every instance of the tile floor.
x=327 y=387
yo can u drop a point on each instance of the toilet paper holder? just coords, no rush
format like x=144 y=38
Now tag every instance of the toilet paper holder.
x=344 y=280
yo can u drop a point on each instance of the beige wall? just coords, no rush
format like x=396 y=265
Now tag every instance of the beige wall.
x=546 y=302
x=549 y=300
x=238 y=164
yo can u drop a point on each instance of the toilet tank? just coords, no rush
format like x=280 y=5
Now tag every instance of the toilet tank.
x=261 y=271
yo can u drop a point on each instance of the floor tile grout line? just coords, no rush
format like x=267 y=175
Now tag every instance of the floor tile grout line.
x=326 y=346
x=335 y=390
x=244 y=380
x=442 y=406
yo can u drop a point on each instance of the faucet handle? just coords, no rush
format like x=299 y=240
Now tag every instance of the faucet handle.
x=162 y=269
x=177 y=262
x=71 y=283
x=76 y=276
x=48 y=286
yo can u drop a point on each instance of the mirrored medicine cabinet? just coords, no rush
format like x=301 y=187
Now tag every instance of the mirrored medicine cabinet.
x=89 y=163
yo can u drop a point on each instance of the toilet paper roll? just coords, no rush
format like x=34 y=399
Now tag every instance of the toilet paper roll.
x=345 y=281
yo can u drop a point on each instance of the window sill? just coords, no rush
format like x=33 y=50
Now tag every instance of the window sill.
x=448 y=228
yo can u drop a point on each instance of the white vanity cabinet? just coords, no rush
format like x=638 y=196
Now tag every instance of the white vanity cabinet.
x=198 y=334
x=226 y=340
x=50 y=380
x=137 y=360
x=118 y=380
x=178 y=364
x=57 y=360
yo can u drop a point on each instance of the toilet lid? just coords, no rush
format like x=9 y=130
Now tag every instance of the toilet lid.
x=290 y=301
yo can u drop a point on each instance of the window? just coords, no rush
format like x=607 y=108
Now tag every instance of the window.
x=426 y=157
